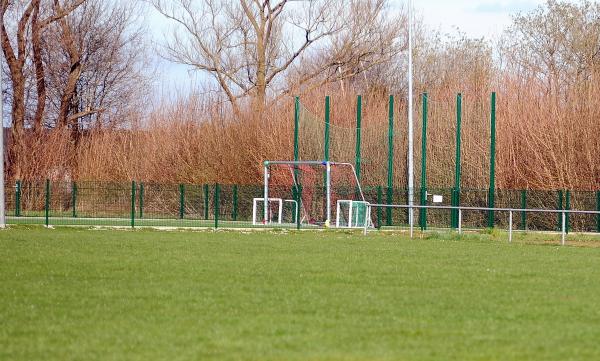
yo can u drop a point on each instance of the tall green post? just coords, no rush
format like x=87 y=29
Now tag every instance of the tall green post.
x=423 y=212
x=234 y=214
x=74 y=198
x=217 y=201
x=18 y=199
x=296 y=135
x=327 y=140
x=141 y=200
x=457 y=170
x=559 y=206
x=358 y=135
x=492 y=190
x=524 y=206
x=296 y=128
x=181 y=201
x=598 y=209
x=327 y=127
x=47 y=203
x=206 y=204
x=132 y=204
x=390 y=173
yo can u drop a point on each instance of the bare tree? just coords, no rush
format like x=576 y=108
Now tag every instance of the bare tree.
x=73 y=64
x=557 y=44
x=17 y=52
x=248 y=45
x=371 y=37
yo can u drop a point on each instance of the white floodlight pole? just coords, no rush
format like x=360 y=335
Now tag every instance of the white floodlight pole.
x=2 y=210
x=411 y=175
x=266 y=195
x=328 y=185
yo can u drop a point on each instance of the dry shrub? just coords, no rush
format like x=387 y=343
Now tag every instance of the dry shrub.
x=549 y=142
x=44 y=154
x=543 y=142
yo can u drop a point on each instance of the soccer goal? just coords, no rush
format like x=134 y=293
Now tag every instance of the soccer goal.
x=352 y=214
x=281 y=211
x=323 y=191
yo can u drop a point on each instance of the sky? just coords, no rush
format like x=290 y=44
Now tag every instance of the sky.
x=475 y=18
x=483 y=18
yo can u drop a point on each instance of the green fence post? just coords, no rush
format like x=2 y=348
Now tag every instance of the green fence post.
x=217 y=200
x=18 y=199
x=492 y=195
x=524 y=206
x=568 y=215
x=181 y=201
x=598 y=209
x=390 y=174
x=457 y=171
x=453 y=204
x=74 y=198
x=295 y=198
x=389 y=199
x=141 y=200
x=379 y=201
x=423 y=212
x=47 y=203
x=357 y=159
x=206 y=204
x=234 y=214
x=132 y=204
x=298 y=203
x=559 y=207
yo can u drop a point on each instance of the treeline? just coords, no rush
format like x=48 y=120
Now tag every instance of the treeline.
x=545 y=70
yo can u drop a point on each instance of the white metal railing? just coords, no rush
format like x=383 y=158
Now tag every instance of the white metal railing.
x=460 y=210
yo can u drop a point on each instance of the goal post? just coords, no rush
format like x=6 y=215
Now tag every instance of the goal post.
x=316 y=185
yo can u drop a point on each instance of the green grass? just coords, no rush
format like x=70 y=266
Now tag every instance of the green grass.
x=138 y=295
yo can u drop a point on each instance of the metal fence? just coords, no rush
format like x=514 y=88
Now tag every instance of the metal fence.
x=135 y=204
x=563 y=215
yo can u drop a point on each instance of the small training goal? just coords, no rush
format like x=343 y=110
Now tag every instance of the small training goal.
x=311 y=193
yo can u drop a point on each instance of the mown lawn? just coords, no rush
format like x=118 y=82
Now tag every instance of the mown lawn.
x=137 y=295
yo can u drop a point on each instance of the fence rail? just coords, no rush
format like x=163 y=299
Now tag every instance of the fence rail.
x=460 y=209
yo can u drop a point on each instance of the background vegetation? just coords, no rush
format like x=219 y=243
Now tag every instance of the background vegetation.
x=81 y=102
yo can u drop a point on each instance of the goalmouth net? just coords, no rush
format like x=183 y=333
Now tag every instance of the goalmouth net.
x=321 y=190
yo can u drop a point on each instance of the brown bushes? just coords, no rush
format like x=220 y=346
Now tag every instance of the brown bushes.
x=541 y=144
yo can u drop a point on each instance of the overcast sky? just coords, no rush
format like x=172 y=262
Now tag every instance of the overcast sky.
x=476 y=18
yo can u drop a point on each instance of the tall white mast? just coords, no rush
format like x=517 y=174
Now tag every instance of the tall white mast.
x=2 y=210
x=411 y=175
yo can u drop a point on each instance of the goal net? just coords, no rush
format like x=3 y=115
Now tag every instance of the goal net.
x=316 y=187
x=352 y=214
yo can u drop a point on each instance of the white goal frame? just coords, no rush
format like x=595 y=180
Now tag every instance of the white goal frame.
x=280 y=202
x=327 y=164
x=353 y=219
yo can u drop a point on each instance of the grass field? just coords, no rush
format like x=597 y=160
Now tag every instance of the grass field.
x=139 y=295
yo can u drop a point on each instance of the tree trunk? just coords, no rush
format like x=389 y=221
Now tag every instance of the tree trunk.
x=68 y=92
x=36 y=42
x=261 y=74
